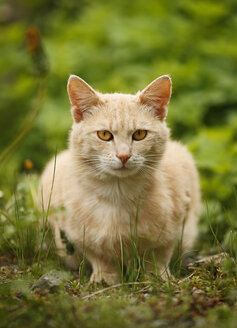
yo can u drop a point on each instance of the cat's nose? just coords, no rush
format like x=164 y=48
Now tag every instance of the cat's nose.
x=123 y=158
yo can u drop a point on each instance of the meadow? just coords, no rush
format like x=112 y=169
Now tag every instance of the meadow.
x=117 y=46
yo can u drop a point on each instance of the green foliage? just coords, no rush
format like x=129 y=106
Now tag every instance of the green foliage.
x=122 y=46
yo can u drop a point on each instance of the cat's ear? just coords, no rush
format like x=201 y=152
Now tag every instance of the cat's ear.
x=157 y=95
x=81 y=95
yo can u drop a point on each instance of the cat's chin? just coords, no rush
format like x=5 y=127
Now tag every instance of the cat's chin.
x=123 y=172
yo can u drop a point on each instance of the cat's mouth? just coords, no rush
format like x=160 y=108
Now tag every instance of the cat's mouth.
x=123 y=168
x=123 y=172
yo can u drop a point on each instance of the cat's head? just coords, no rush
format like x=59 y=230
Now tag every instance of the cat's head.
x=118 y=134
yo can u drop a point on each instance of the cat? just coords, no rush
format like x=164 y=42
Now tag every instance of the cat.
x=121 y=173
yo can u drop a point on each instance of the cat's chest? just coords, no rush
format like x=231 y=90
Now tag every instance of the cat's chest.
x=105 y=224
x=104 y=220
x=109 y=204
x=110 y=226
x=112 y=217
x=113 y=227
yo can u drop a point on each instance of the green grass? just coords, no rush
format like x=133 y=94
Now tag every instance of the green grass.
x=203 y=297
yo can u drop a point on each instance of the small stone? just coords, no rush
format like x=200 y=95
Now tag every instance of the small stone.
x=159 y=323
x=206 y=261
x=196 y=291
x=49 y=281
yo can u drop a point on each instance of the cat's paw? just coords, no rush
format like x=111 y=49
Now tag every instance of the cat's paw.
x=160 y=274
x=111 y=278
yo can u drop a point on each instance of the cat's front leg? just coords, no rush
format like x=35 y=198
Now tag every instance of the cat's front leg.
x=103 y=270
x=156 y=261
x=66 y=249
x=111 y=278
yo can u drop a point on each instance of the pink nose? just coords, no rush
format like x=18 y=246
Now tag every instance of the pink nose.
x=123 y=158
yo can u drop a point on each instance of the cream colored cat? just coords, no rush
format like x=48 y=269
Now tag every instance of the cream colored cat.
x=120 y=158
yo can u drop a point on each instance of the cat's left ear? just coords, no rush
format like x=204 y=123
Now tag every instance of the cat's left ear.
x=157 y=95
x=81 y=95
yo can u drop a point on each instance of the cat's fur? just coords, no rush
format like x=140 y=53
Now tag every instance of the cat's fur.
x=100 y=195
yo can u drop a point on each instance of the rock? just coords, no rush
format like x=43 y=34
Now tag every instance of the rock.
x=160 y=323
x=50 y=281
x=196 y=292
x=207 y=261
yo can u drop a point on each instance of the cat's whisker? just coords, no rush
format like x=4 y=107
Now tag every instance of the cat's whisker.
x=153 y=158
x=152 y=168
x=86 y=168
x=152 y=161
x=85 y=154
x=97 y=167
x=90 y=161
x=87 y=158
x=149 y=167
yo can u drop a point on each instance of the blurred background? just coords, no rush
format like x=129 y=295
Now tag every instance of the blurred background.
x=122 y=46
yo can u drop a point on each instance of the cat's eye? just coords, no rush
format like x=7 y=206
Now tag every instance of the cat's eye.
x=105 y=135
x=139 y=135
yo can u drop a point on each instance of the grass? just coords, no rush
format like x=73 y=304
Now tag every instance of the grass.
x=205 y=296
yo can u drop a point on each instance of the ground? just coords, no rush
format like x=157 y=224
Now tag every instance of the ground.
x=37 y=291
x=205 y=297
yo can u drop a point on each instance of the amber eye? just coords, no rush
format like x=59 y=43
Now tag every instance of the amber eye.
x=105 y=135
x=139 y=135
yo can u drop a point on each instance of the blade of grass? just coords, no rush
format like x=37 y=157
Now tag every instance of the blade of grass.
x=45 y=216
x=115 y=286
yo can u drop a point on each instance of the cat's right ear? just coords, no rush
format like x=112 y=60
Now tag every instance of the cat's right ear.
x=81 y=95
